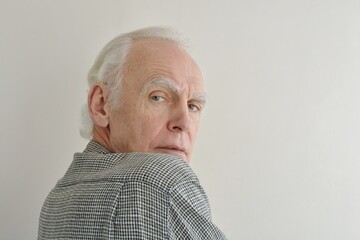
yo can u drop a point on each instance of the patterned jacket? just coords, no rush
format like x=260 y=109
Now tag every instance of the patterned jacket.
x=107 y=195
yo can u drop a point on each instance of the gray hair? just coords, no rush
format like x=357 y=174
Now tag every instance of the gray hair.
x=109 y=66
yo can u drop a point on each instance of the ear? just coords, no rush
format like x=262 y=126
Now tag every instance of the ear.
x=98 y=110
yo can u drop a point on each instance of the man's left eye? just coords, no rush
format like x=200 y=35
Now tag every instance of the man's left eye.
x=193 y=108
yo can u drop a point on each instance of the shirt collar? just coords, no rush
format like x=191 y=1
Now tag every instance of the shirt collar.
x=94 y=146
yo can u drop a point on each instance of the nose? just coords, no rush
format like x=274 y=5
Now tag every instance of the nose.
x=180 y=120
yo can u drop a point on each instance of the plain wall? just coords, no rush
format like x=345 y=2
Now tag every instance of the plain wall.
x=279 y=148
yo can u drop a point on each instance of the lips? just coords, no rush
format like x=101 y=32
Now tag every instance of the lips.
x=173 y=149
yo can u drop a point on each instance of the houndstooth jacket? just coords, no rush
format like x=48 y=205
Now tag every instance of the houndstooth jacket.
x=107 y=195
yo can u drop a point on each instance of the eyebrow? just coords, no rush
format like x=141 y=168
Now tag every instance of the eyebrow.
x=171 y=86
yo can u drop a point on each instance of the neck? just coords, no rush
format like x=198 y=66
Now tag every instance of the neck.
x=101 y=137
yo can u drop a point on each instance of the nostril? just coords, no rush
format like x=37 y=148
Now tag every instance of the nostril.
x=177 y=128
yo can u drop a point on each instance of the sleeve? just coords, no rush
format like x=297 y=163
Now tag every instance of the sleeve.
x=189 y=214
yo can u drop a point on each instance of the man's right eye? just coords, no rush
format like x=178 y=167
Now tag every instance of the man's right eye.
x=157 y=98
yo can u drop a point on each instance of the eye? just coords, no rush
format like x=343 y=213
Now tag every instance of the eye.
x=157 y=98
x=193 y=107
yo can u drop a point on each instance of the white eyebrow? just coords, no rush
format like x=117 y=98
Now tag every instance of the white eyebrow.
x=163 y=83
x=201 y=98
x=170 y=85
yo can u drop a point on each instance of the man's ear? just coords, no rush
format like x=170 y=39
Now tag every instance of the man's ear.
x=98 y=110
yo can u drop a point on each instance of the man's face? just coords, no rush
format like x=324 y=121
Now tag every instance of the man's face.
x=162 y=96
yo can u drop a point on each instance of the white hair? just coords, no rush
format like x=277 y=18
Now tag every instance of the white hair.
x=109 y=66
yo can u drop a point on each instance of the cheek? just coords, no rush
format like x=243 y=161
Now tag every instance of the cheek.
x=193 y=135
x=155 y=123
x=158 y=131
x=149 y=126
x=195 y=125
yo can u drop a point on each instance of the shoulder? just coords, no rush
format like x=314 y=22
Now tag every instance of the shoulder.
x=161 y=170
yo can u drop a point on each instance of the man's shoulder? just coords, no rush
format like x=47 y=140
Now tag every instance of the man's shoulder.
x=161 y=170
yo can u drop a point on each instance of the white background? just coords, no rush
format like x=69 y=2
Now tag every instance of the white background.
x=279 y=148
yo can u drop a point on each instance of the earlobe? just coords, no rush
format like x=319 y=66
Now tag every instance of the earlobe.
x=97 y=106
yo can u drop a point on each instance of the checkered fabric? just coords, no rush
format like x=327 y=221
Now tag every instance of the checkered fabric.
x=107 y=195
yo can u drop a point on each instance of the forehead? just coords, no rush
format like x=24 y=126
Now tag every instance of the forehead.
x=152 y=58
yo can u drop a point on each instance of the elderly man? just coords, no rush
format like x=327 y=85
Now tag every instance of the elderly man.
x=133 y=180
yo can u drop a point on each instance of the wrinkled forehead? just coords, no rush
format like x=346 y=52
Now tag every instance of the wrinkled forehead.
x=162 y=55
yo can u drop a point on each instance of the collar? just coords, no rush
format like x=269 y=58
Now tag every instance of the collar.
x=94 y=146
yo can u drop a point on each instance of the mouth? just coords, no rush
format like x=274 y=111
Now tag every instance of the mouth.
x=174 y=150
